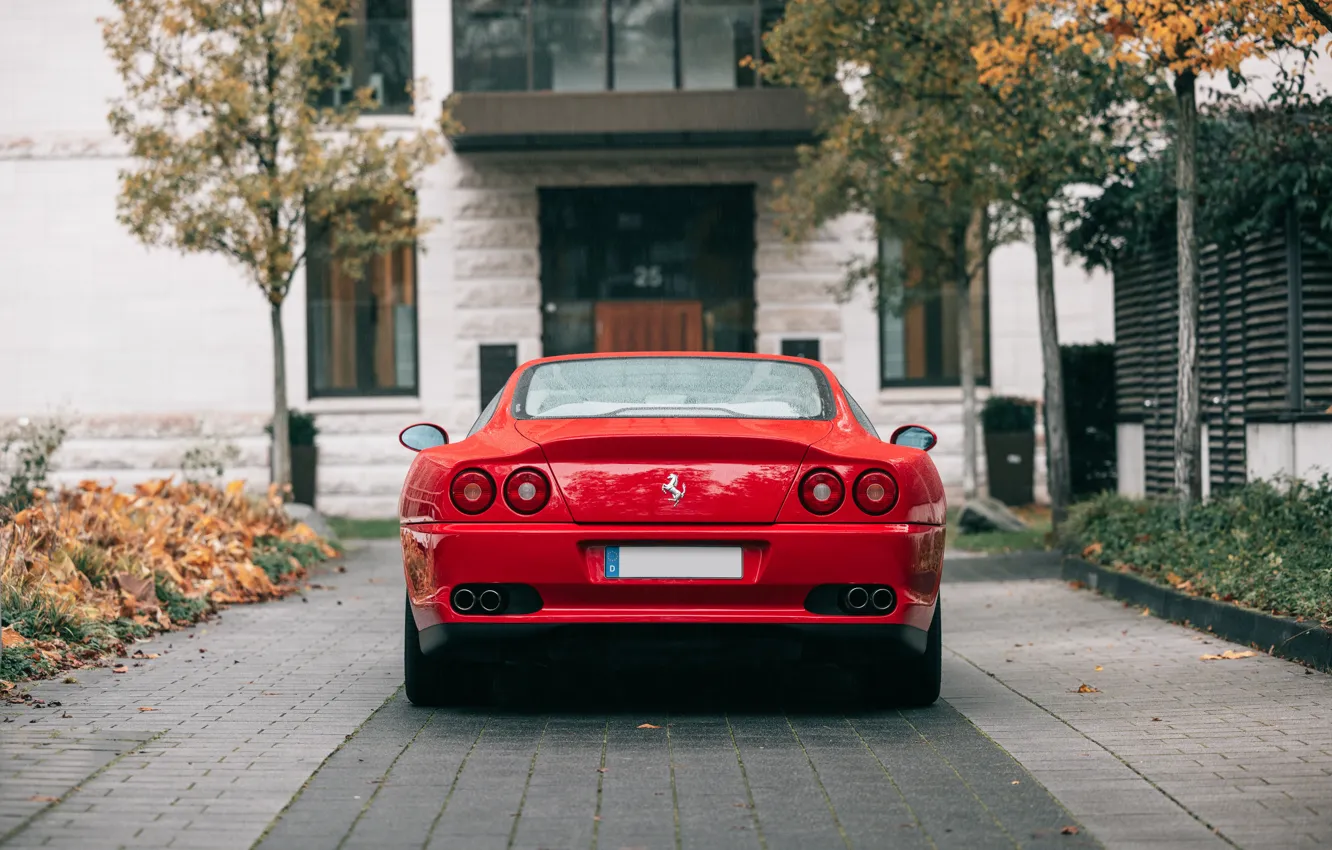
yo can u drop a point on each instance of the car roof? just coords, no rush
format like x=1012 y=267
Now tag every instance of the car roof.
x=624 y=355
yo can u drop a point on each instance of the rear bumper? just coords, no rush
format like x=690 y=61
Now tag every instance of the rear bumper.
x=563 y=563
x=727 y=644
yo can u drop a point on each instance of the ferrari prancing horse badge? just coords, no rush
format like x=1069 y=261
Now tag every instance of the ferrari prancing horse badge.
x=670 y=489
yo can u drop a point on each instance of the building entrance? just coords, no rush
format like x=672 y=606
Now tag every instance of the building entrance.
x=648 y=269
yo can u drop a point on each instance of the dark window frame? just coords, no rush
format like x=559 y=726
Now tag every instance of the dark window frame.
x=887 y=383
x=412 y=391
x=358 y=18
x=608 y=45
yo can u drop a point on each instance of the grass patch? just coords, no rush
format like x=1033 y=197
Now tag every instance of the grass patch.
x=1262 y=546
x=179 y=607
x=281 y=558
x=350 y=528
x=1036 y=538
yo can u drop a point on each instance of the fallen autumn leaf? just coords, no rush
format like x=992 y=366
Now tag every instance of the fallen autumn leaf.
x=1085 y=688
x=1069 y=830
x=1229 y=655
x=648 y=726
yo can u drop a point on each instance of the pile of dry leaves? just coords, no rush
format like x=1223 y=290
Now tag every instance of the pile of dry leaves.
x=85 y=568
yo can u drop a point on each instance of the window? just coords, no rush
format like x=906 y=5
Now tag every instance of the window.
x=490 y=45
x=918 y=339
x=655 y=387
x=715 y=36
x=860 y=416
x=600 y=45
x=487 y=414
x=570 y=48
x=375 y=52
x=643 y=45
x=362 y=329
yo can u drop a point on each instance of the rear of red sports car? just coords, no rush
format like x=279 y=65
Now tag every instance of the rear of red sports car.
x=739 y=507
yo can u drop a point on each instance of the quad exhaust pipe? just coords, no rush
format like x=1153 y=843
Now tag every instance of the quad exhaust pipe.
x=874 y=599
x=463 y=599
x=883 y=599
x=857 y=598
x=479 y=599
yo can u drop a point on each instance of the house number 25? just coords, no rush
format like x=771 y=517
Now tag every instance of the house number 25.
x=647 y=277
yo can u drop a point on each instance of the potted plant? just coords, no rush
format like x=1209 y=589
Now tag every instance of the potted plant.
x=304 y=455
x=1010 y=448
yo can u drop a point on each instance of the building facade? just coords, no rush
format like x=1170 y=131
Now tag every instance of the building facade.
x=610 y=189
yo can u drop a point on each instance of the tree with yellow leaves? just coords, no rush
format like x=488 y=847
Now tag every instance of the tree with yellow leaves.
x=913 y=136
x=1186 y=40
x=1070 y=119
x=904 y=139
x=235 y=156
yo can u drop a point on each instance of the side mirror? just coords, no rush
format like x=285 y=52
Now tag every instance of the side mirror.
x=423 y=436
x=915 y=436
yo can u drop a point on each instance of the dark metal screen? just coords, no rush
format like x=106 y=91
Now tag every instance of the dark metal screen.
x=1262 y=354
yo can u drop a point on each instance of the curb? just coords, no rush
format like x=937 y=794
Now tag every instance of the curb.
x=1306 y=643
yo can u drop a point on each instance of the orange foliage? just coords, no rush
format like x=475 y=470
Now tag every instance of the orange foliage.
x=196 y=536
x=1204 y=36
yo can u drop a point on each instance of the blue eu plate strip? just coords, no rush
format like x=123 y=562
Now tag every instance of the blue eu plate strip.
x=612 y=562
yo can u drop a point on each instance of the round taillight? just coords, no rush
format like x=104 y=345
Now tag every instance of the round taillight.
x=473 y=491
x=527 y=491
x=821 y=491
x=875 y=492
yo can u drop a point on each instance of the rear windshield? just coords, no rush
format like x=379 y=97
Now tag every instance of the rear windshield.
x=727 y=388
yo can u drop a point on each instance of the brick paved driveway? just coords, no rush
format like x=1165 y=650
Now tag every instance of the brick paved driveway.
x=290 y=731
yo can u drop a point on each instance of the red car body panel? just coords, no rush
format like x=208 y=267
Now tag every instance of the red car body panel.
x=742 y=489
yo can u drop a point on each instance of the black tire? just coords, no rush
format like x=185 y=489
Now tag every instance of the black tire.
x=914 y=682
x=437 y=681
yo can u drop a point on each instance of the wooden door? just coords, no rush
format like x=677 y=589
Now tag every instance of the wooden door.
x=649 y=325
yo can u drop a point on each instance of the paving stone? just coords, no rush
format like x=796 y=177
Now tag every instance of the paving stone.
x=1247 y=725
x=299 y=740
x=120 y=770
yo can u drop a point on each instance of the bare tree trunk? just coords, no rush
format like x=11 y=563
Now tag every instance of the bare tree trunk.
x=281 y=455
x=966 y=361
x=1056 y=429
x=1188 y=430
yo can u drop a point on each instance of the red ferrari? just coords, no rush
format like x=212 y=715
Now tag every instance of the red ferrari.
x=736 y=507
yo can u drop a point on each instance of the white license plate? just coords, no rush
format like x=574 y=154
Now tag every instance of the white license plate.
x=674 y=562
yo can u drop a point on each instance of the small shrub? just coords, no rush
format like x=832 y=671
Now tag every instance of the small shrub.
x=25 y=459
x=1265 y=545
x=18 y=664
x=1006 y=414
x=209 y=460
x=1089 y=408
x=301 y=428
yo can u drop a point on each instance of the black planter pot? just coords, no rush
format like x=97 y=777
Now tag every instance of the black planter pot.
x=304 y=464
x=1009 y=463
